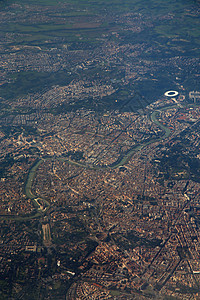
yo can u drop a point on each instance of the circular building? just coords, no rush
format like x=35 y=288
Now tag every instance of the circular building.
x=171 y=93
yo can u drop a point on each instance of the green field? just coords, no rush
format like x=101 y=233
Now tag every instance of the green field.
x=183 y=25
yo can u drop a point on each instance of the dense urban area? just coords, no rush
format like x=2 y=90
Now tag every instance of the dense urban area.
x=99 y=166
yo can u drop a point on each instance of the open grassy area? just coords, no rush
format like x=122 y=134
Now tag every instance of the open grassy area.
x=126 y=5
x=67 y=18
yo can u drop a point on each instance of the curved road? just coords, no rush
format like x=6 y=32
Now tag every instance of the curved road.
x=121 y=162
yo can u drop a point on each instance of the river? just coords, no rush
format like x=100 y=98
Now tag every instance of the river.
x=122 y=161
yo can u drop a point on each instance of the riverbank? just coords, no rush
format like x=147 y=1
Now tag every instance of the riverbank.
x=120 y=162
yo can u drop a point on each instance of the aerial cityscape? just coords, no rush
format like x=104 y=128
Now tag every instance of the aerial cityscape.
x=100 y=149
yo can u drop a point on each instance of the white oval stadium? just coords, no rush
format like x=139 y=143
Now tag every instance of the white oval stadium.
x=171 y=93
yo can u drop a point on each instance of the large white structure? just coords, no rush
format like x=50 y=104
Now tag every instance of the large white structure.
x=171 y=94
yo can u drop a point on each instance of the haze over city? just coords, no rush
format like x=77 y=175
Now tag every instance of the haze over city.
x=99 y=149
